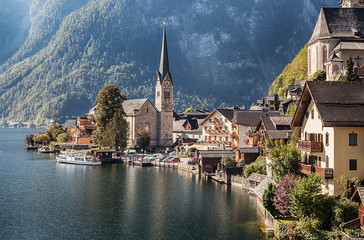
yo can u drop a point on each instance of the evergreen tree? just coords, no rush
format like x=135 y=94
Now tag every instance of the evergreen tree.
x=320 y=75
x=350 y=75
x=268 y=195
x=276 y=102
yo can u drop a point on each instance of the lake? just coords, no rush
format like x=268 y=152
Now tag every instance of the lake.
x=42 y=199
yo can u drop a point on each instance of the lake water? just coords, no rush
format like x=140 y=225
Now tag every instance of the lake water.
x=42 y=199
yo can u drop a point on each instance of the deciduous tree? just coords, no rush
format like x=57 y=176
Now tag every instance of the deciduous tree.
x=108 y=102
x=142 y=140
x=281 y=199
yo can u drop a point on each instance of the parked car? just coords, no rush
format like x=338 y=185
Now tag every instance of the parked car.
x=166 y=159
x=192 y=161
x=161 y=158
x=174 y=159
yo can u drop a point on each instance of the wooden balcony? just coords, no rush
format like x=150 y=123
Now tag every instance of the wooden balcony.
x=218 y=132
x=325 y=173
x=310 y=146
x=305 y=168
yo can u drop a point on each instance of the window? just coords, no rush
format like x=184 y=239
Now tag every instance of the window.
x=147 y=110
x=167 y=94
x=158 y=94
x=352 y=164
x=324 y=54
x=312 y=113
x=353 y=138
x=309 y=61
x=327 y=139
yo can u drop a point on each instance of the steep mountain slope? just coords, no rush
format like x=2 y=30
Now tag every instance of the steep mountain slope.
x=221 y=52
x=14 y=25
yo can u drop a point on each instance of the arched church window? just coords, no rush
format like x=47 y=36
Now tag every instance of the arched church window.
x=317 y=59
x=324 y=55
x=335 y=68
x=309 y=61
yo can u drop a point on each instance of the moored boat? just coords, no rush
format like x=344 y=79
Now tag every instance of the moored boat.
x=78 y=158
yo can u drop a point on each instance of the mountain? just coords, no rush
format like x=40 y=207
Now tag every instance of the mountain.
x=222 y=52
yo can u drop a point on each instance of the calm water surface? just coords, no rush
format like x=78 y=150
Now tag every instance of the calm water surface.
x=40 y=199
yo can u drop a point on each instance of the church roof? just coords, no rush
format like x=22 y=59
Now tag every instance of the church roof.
x=164 y=62
x=349 y=45
x=134 y=104
x=338 y=103
x=339 y=23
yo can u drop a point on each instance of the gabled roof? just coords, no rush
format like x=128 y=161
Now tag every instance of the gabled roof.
x=338 y=103
x=134 y=104
x=259 y=190
x=251 y=118
x=227 y=113
x=293 y=88
x=358 y=194
x=339 y=23
x=256 y=177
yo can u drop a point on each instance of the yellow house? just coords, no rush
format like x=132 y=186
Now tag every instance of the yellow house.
x=331 y=117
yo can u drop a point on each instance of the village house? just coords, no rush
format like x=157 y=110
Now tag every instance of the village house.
x=84 y=129
x=244 y=123
x=338 y=34
x=331 y=117
x=217 y=128
x=268 y=102
x=186 y=127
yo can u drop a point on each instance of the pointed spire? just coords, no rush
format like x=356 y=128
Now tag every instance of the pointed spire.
x=164 y=63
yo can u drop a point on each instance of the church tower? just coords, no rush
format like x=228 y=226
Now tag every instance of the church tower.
x=164 y=96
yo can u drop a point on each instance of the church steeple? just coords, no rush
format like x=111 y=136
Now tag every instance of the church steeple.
x=164 y=63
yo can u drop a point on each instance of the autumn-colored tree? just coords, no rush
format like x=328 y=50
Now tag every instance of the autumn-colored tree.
x=281 y=199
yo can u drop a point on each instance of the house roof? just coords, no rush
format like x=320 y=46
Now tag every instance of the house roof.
x=134 y=104
x=254 y=149
x=250 y=117
x=293 y=88
x=271 y=98
x=216 y=153
x=259 y=190
x=359 y=191
x=338 y=103
x=256 y=177
x=227 y=113
x=349 y=45
x=339 y=23
x=277 y=134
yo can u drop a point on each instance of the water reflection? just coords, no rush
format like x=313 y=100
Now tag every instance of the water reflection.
x=42 y=199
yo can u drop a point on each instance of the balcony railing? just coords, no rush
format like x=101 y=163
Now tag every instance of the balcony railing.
x=323 y=172
x=310 y=146
x=224 y=132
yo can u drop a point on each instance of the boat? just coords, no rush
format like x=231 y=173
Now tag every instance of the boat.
x=47 y=149
x=78 y=158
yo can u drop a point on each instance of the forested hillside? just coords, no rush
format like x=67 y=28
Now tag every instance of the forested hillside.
x=296 y=70
x=221 y=52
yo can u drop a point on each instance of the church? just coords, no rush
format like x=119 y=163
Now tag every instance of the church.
x=338 y=34
x=156 y=120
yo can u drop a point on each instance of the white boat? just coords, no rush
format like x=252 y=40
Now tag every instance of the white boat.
x=78 y=158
